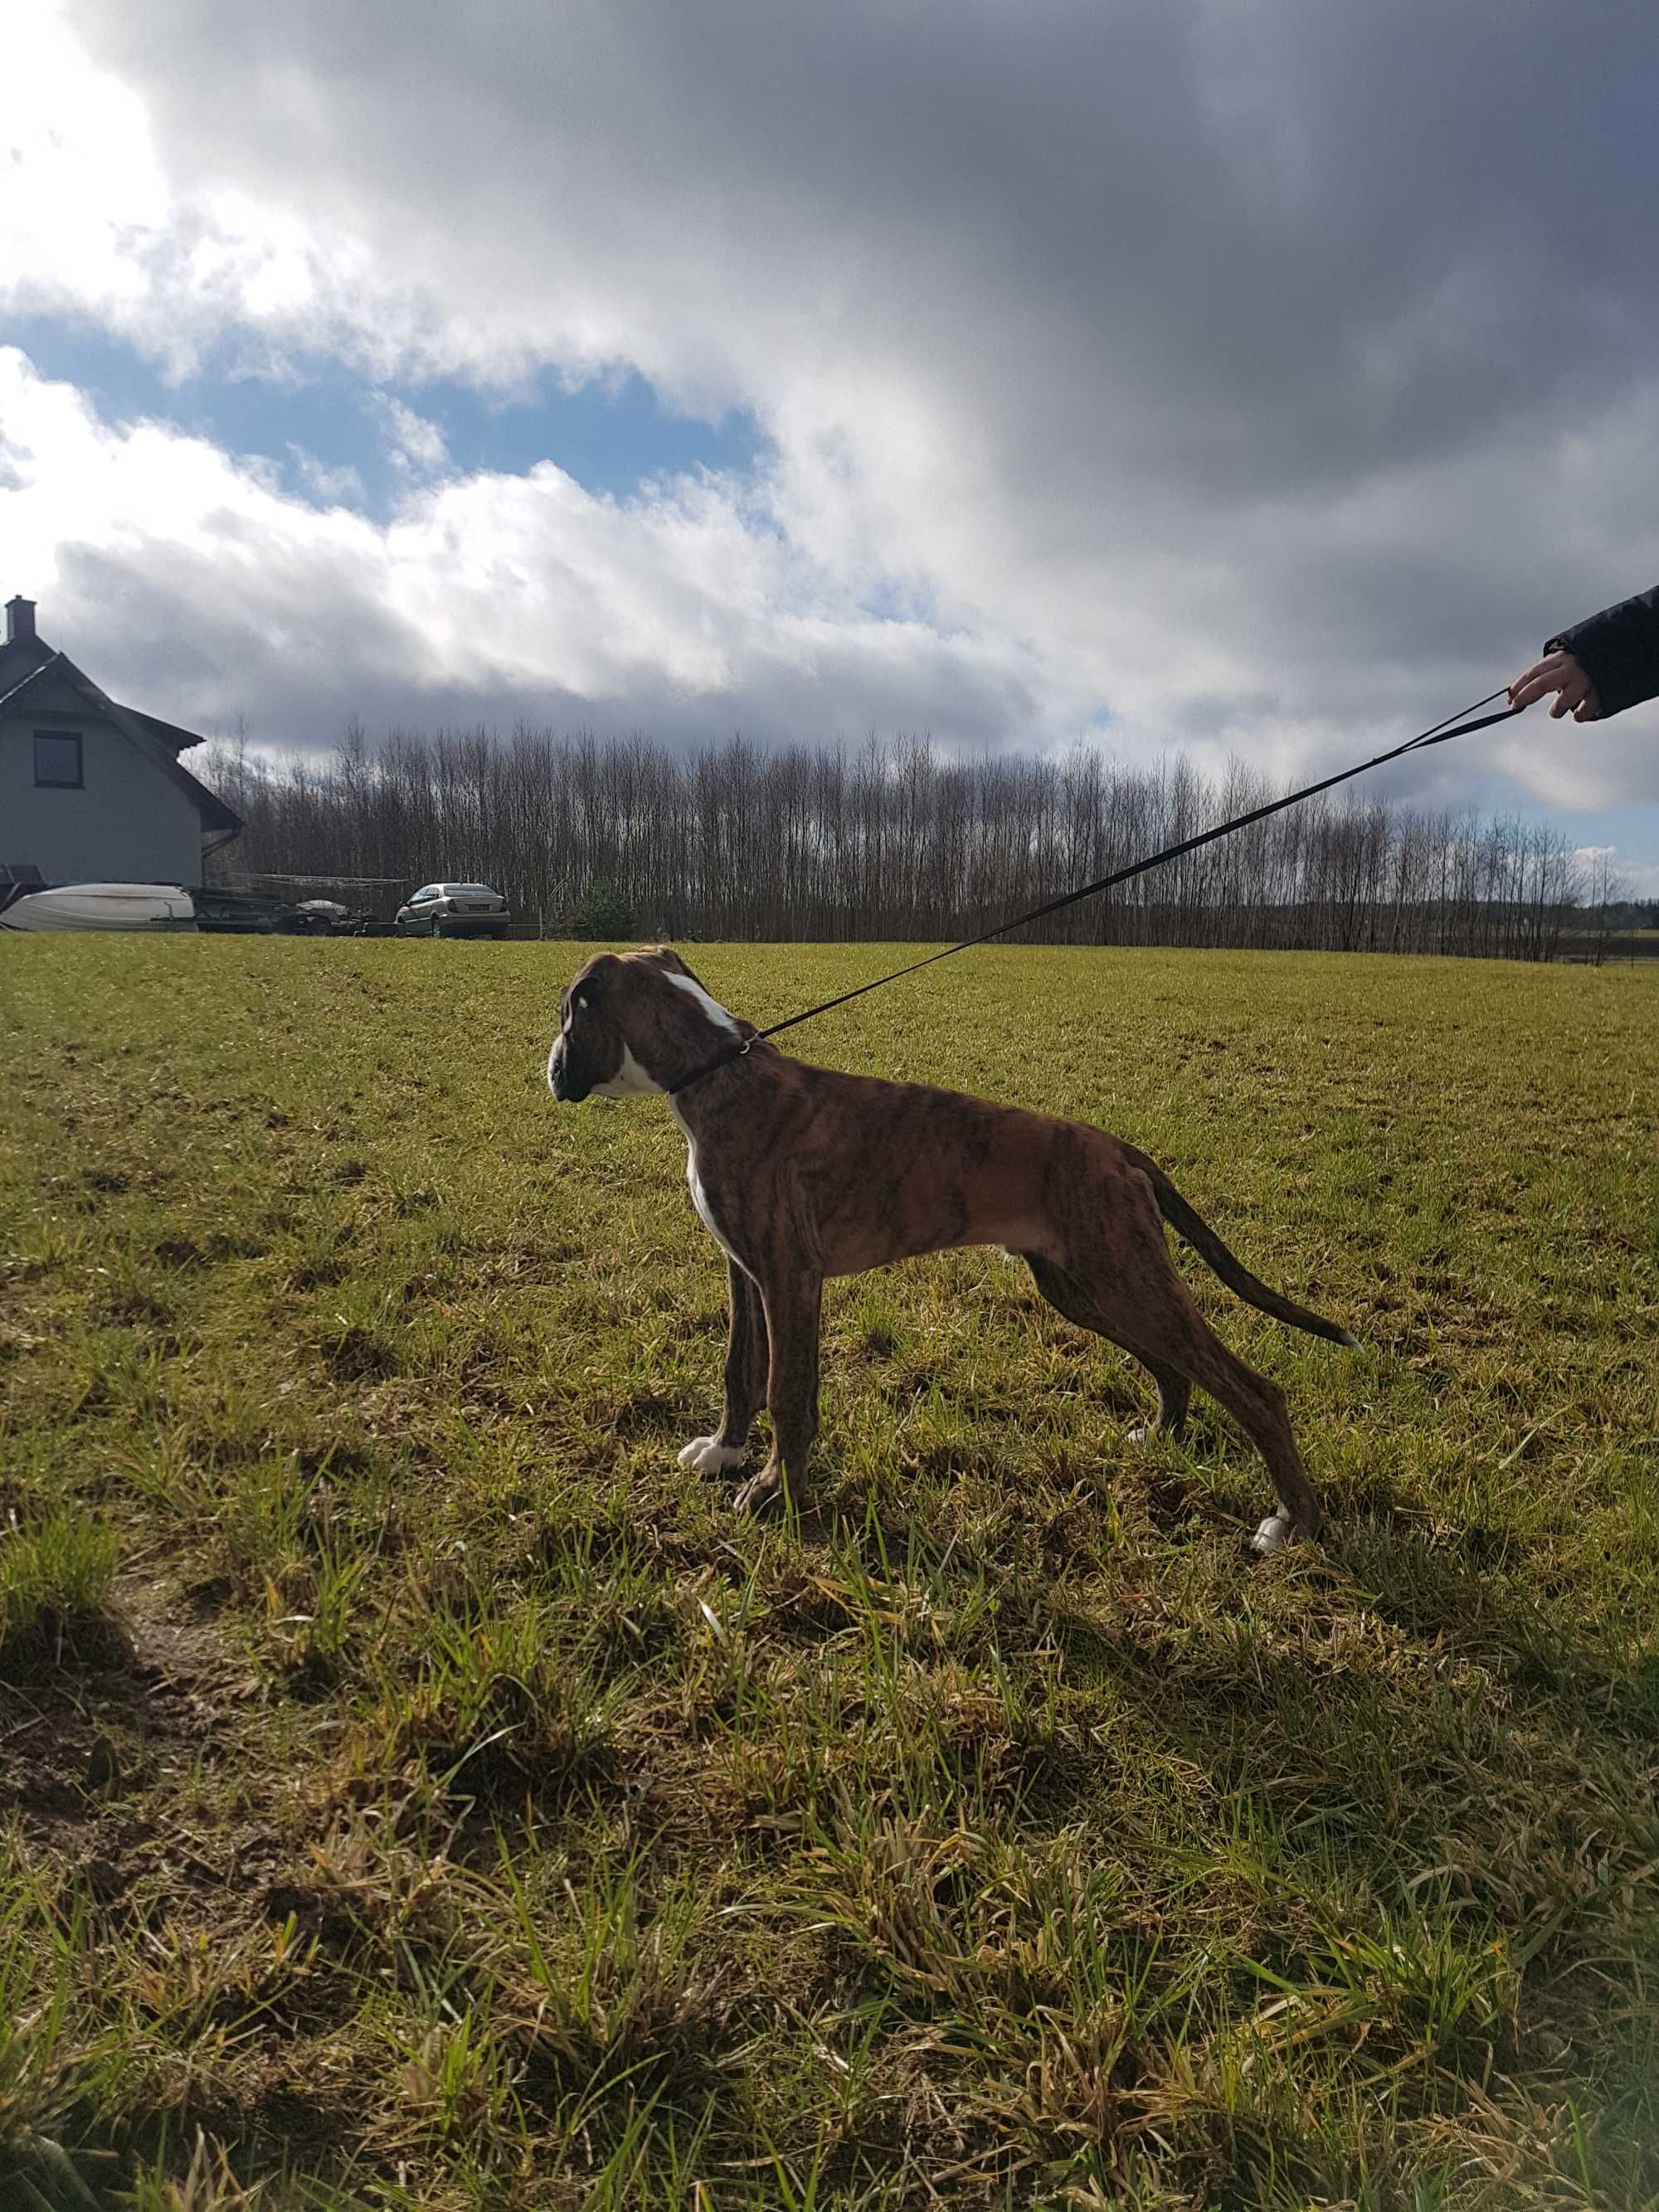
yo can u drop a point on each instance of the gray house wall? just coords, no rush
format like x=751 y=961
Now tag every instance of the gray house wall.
x=128 y=824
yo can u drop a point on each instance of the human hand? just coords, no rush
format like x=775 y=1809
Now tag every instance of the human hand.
x=1561 y=673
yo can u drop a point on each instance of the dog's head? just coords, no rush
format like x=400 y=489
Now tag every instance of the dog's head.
x=633 y=1022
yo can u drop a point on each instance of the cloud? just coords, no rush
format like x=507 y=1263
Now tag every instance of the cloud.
x=417 y=448
x=334 y=484
x=1606 y=872
x=190 y=585
x=1272 y=378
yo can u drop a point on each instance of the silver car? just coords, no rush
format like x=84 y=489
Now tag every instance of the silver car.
x=452 y=910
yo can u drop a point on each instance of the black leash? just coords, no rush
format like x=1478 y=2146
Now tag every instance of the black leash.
x=1438 y=735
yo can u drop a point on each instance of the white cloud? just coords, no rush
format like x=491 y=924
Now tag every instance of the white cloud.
x=1606 y=872
x=415 y=447
x=94 y=227
x=189 y=583
x=334 y=484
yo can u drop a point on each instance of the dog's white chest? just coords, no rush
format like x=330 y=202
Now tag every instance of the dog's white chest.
x=700 y=1199
x=705 y=1211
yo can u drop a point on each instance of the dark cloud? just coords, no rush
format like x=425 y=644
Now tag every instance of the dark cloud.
x=1273 y=375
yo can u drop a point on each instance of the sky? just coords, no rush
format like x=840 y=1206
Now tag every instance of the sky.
x=1229 y=378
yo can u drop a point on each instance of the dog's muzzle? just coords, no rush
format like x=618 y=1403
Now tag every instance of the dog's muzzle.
x=562 y=1080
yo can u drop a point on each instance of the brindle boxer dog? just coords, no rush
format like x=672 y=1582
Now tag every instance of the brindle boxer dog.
x=800 y=1173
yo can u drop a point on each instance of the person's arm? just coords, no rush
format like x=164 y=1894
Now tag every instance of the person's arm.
x=1599 y=666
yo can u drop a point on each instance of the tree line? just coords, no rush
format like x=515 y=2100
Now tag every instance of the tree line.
x=893 y=839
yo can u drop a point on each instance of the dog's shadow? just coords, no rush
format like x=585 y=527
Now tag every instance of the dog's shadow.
x=1426 y=1683
x=1422 y=1733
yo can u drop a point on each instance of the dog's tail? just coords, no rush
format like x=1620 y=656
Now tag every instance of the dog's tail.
x=1197 y=1232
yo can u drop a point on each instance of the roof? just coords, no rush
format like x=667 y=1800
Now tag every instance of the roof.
x=160 y=742
x=168 y=733
x=19 y=659
x=23 y=657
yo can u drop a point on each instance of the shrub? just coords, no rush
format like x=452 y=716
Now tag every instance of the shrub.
x=602 y=911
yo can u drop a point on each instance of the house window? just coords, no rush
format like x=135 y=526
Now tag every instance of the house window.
x=57 y=759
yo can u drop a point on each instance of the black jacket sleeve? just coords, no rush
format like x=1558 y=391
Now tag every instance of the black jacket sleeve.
x=1620 y=649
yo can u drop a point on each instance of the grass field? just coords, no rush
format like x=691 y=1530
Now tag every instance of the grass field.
x=416 y=1791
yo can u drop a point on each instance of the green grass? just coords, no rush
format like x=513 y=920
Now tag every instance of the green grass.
x=424 y=1794
x=53 y=1572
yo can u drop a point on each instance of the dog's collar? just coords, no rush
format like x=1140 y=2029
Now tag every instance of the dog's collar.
x=709 y=1068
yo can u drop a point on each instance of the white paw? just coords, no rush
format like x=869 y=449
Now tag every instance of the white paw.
x=707 y=1456
x=1273 y=1535
x=1141 y=1434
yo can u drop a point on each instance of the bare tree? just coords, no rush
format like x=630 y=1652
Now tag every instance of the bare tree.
x=893 y=839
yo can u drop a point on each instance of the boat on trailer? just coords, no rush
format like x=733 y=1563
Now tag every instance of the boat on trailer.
x=150 y=908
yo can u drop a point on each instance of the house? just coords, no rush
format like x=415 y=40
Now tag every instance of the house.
x=90 y=791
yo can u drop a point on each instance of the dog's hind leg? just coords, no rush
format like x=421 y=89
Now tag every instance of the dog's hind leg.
x=745 y=1379
x=793 y=1306
x=1174 y=1396
x=1156 y=1320
x=1259 y=1406
x=1070 y=1296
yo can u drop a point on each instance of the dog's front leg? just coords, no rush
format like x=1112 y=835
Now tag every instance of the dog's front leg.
x=745 y=1379
x=792 y=1305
